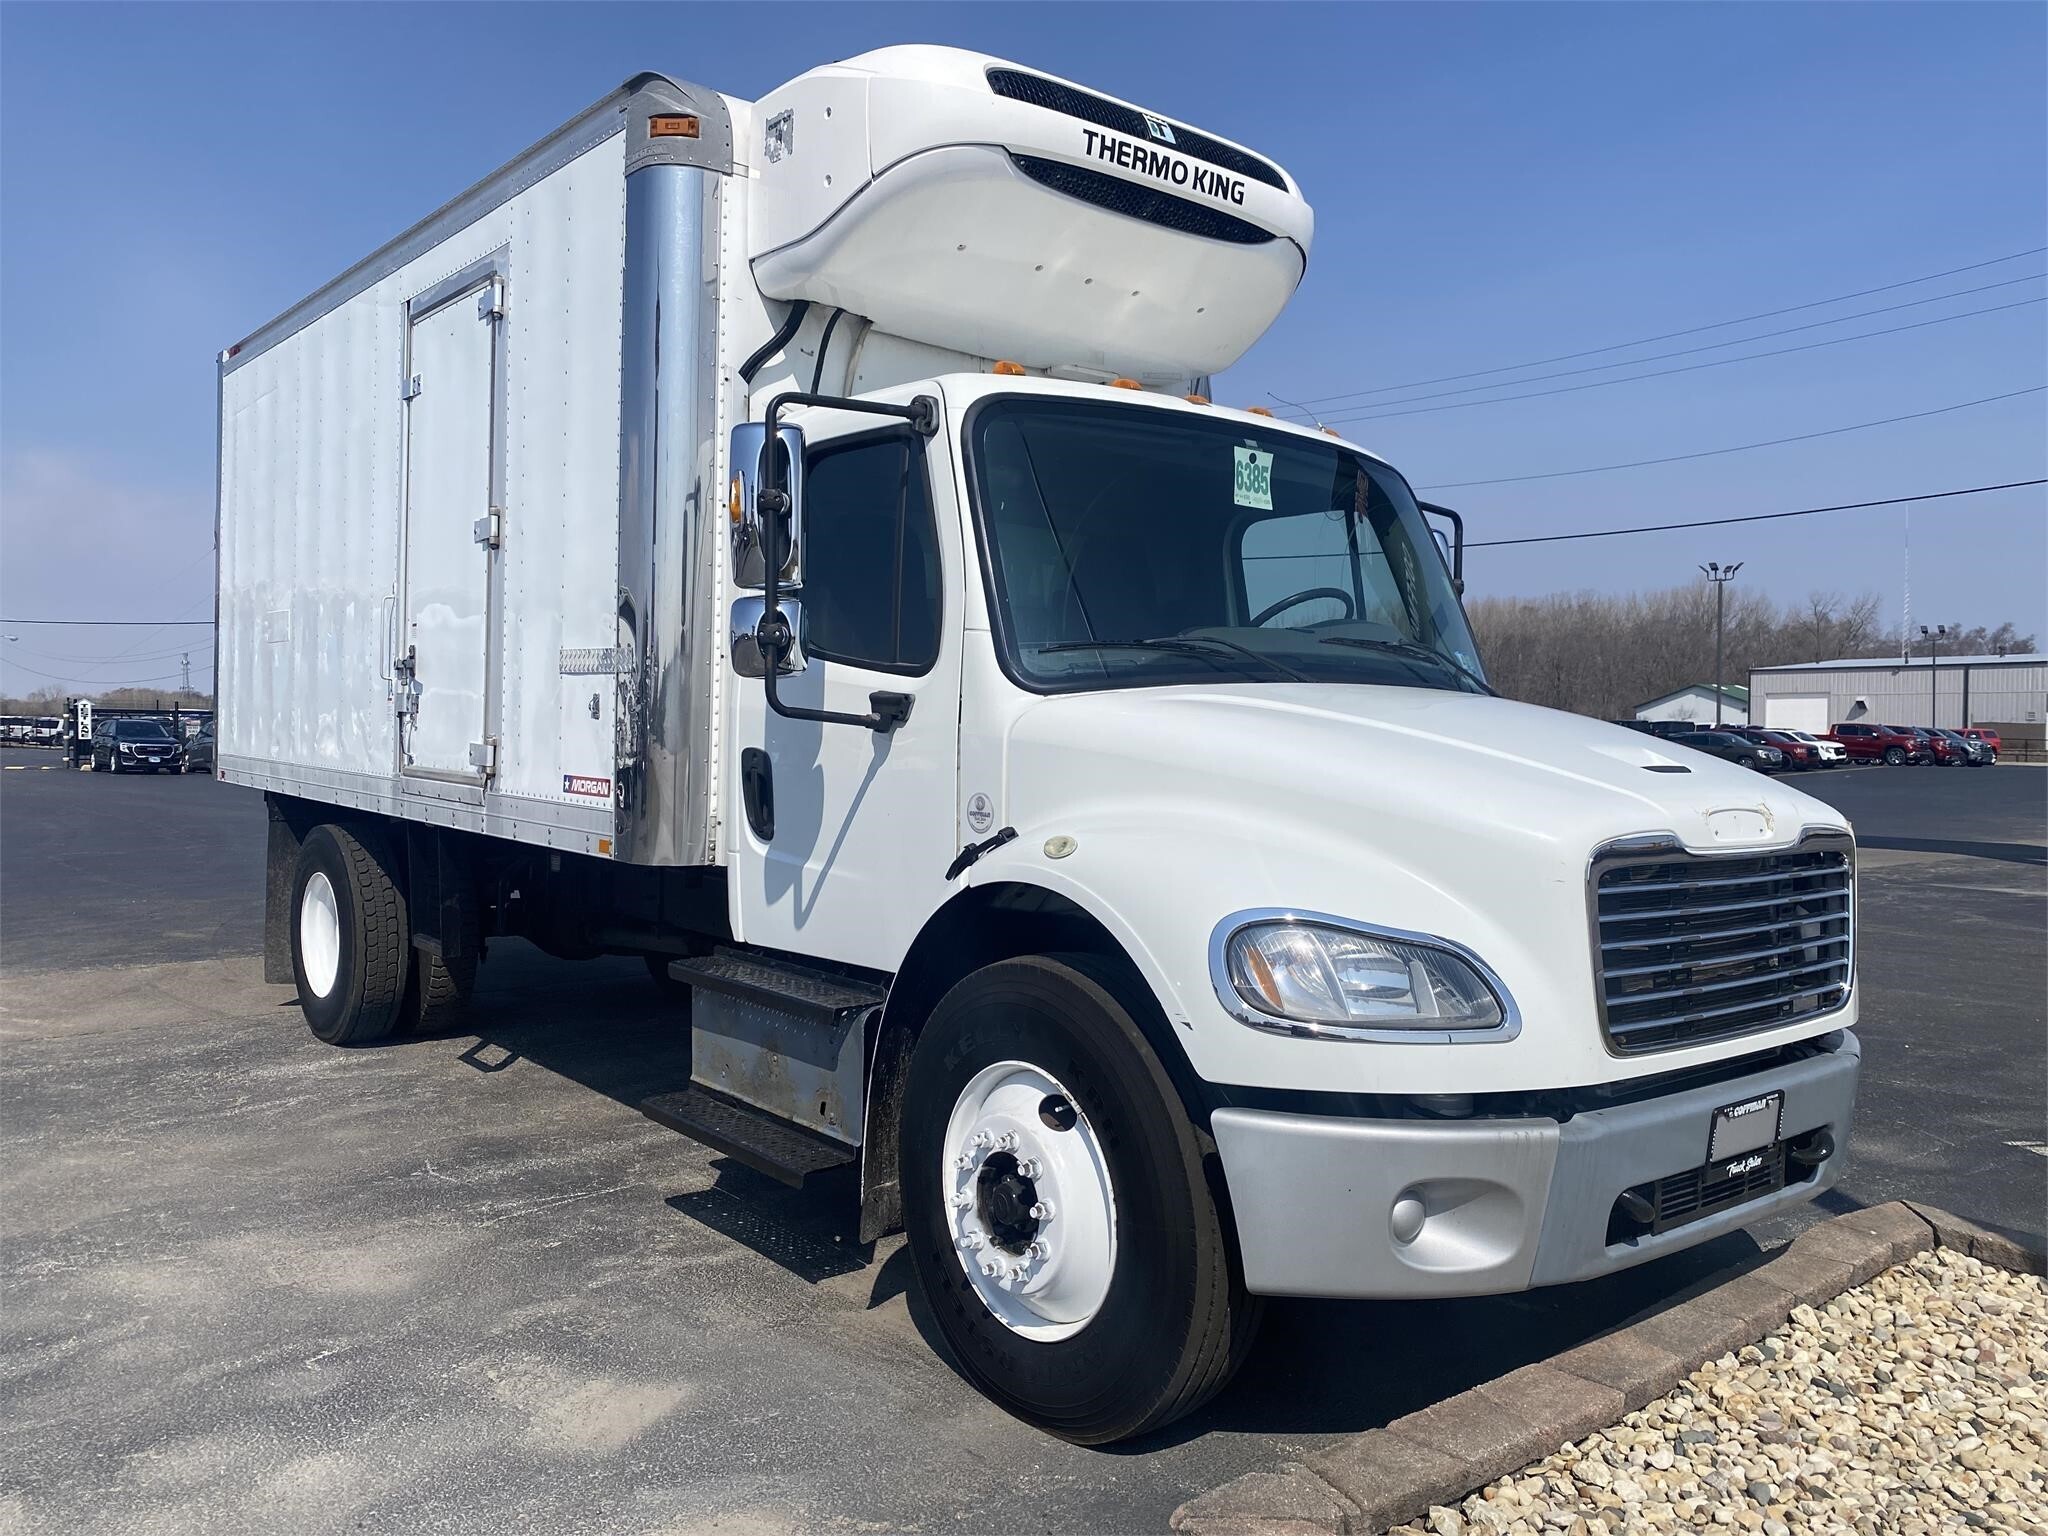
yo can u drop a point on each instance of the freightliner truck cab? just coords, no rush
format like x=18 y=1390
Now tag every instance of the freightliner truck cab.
x=1077 y=807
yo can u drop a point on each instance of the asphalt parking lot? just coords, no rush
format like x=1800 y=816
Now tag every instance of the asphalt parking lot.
x=249 y=1282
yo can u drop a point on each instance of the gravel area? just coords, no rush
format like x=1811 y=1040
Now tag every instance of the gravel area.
x=1915 y=1404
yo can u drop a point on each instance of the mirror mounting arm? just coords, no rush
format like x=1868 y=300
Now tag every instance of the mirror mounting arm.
x=886 y=710
x=1457 y=541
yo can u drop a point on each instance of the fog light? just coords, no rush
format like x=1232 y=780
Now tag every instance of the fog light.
x=1406 y=1218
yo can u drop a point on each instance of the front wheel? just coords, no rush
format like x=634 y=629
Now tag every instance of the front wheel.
x=1895 y=755
x=1057 y=1209
x=1745 y=762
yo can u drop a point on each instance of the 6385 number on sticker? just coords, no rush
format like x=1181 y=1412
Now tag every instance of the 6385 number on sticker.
x=1253 y=482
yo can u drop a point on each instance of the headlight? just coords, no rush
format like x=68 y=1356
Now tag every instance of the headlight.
x=1302 y=975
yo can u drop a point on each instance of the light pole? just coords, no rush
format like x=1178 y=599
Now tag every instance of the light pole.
x=1720 y=575
x=1934 y=637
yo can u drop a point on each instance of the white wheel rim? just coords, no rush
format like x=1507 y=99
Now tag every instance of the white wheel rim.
x=1049 y=1285
x=319 y=934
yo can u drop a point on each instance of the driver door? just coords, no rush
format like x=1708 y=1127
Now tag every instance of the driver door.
x=863 y=822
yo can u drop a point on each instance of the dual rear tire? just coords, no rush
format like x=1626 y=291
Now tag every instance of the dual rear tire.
x=358 y=974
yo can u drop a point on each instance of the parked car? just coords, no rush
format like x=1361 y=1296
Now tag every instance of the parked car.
x=1739 y=750
x=1976 y=754
x=130 y=746
x=1984 y=736
x=1665 y=729
x=1831 y=753
x=199 y=750
x=1878 y=743
x=1797 y=754
x=1937 y=749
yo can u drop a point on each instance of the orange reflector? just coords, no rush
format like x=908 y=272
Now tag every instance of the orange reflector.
x=604 y=846
x=1332 y=432
x=1196 y=399
x=1125 y=384
x=672 y=126
x=1008 y=369
x=1256 y=410
x=736 y=500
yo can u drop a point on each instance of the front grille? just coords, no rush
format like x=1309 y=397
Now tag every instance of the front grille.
x=1683 y=1198
x=1697 y=948
x=1137 y=202
x=1037 y=91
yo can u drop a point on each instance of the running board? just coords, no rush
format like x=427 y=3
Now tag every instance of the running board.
x=762 y=1141
x=782 y=1041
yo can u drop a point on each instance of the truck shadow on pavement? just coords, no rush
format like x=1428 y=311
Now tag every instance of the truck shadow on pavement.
x=1318 y=1368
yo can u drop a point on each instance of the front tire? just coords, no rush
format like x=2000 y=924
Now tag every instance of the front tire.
x=1894 y=756
x=351 y=946
x=1043 y=1141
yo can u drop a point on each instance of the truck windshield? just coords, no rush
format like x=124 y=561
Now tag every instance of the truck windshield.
x=1130 y=546
x=140 y=730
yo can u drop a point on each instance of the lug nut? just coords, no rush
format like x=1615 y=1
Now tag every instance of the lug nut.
x=964 y=1161
x=983 y=1139
x=963 y=1201
x=1037 y=1251
x=1007 y=1142
x=991 y=1269
x=970 y=1243
x=1042 y=1211
x=1031 y=1167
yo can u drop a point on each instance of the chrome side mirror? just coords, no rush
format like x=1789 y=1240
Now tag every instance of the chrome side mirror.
x=749 y=531
x=749 y=659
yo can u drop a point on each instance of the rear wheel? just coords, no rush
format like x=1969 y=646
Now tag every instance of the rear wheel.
x=1057 y=1210
x=350 y=943
x=1745 y=762
x=1895 y=755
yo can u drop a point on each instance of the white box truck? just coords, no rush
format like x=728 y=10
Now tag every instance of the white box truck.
x=790 y=540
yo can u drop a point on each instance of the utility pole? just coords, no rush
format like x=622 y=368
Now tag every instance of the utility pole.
x=1934 y=637
x=1720 y=575
x=185 y=681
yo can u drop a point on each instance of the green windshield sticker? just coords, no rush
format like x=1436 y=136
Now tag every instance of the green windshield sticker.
x=1254 y=483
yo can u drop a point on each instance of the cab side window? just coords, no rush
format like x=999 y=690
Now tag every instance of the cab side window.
x=871 y=555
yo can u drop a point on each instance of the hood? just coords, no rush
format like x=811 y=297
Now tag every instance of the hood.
x=1448 y=761
x=1177 y=810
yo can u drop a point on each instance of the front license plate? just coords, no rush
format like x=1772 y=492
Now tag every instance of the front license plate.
x=1744 y=1127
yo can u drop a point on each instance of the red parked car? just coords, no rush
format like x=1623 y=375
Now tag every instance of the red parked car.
x=1939 y=748
x=1798 y=754
x=1878 y=743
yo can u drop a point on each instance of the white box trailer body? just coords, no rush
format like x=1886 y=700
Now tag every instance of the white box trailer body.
x=1076 y=805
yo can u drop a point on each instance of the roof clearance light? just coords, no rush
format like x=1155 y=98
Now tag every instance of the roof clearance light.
x=1008 y=369
x=1256 y=410
x=672 y=126
x=1332 y=432
x=1196 y=399
x=1125 y=384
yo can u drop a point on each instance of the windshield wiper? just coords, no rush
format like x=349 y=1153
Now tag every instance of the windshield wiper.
x=1420 y=652
x=1182 y=645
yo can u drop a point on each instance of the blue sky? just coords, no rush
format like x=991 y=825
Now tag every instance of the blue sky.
x=1493 y=184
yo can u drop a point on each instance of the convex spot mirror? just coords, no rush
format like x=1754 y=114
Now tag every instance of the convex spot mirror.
x=749 y=656
x=749 y=531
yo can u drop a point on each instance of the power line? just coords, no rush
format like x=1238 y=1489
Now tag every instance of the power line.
x=1708 y=453
x=1755 y=517
x=1711 y=346
x=1369 y=413
x=1694 y=330
x=117 y=623
x=95 y=683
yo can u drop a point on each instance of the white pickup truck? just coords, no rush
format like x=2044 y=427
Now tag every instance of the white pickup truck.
x=792 y=541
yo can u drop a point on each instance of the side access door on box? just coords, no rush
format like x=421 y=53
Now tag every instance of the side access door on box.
x=446 y=646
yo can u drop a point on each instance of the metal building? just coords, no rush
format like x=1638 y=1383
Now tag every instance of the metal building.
x=2009 y=692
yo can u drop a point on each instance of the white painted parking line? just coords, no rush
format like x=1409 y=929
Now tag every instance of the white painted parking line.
x=2038 y=1147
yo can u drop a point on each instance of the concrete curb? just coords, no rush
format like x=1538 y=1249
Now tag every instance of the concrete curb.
x=1387 y=1476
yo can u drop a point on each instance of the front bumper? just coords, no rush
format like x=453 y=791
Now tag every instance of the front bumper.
x=1509 y=1204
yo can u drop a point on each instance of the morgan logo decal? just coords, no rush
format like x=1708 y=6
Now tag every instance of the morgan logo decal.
x=584 y=784
x=981 y=815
